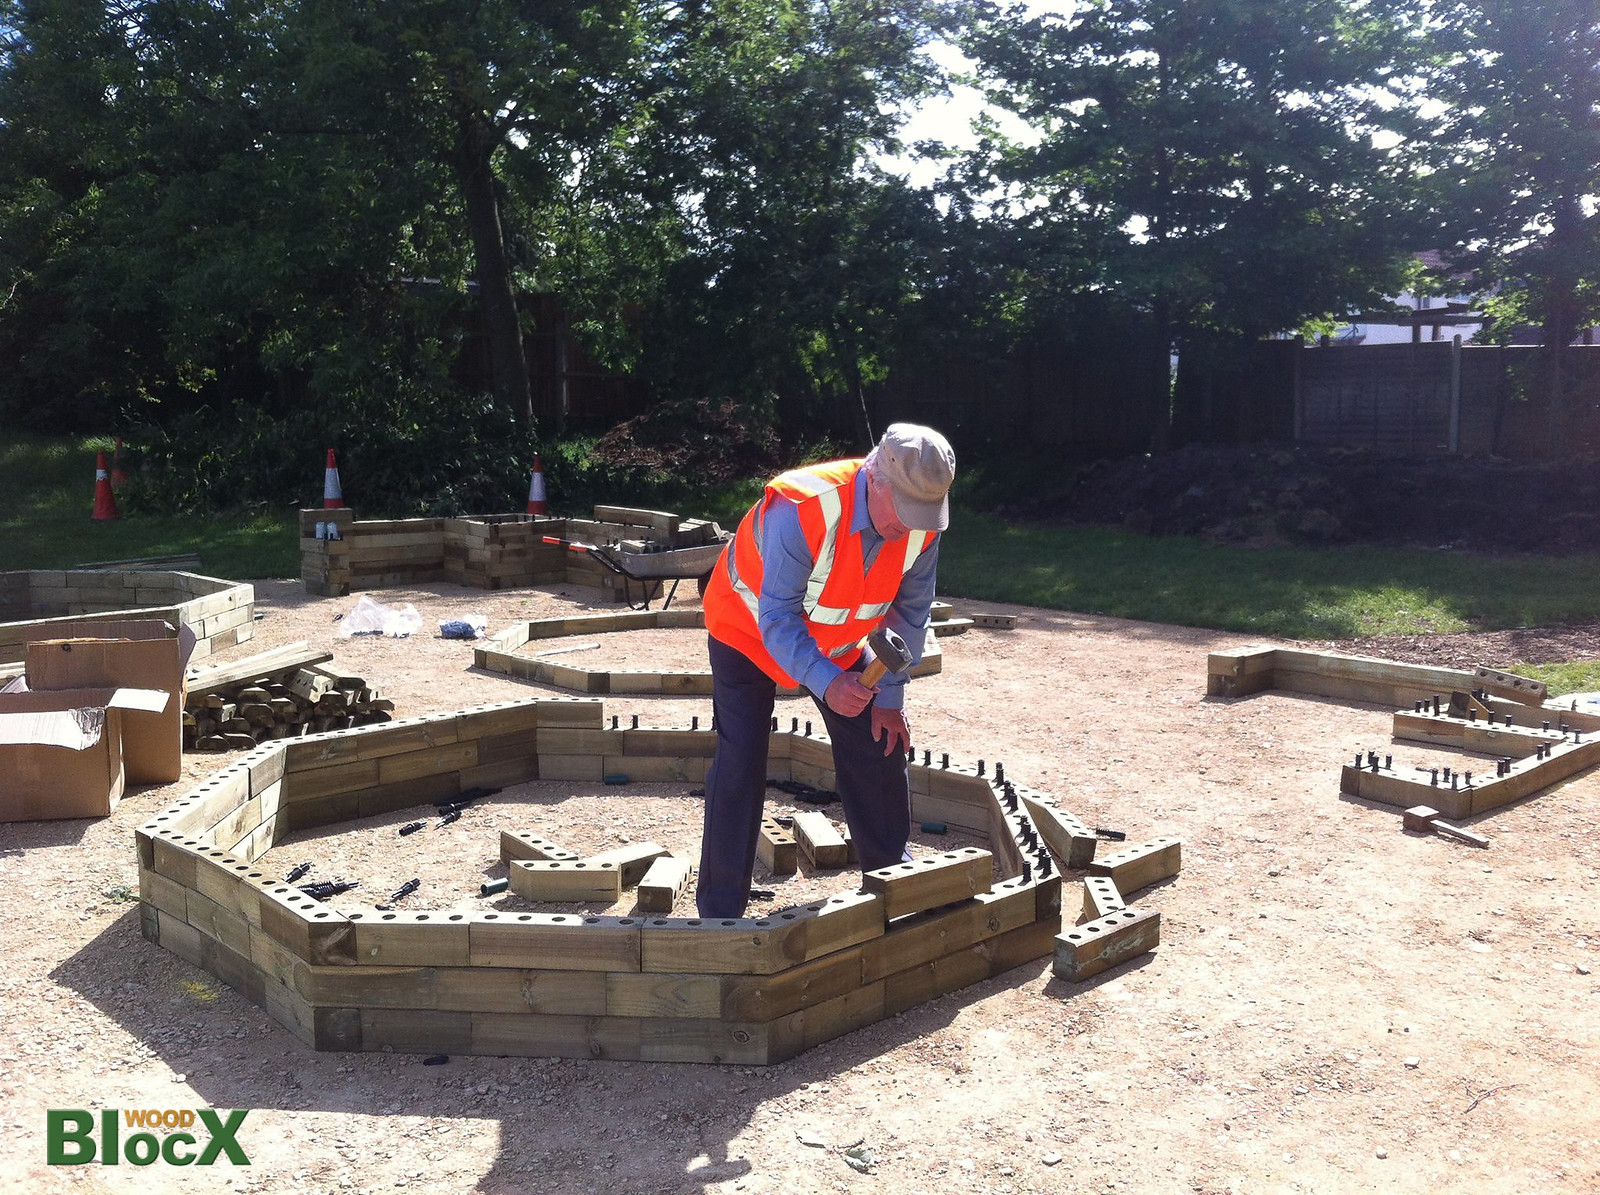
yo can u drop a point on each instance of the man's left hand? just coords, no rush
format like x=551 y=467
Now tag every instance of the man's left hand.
x=892 y=728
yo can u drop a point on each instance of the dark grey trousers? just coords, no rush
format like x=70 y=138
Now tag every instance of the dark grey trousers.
x=874 y=787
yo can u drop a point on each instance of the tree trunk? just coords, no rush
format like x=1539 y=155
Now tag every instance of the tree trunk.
x=1561 y=319
x=1161 y=377
x=475 y=142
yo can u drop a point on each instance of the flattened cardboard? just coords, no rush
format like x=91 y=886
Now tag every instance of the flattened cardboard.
x=61 y=750
x=134 y=652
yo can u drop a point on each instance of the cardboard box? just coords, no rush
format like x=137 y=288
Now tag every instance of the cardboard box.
x=142 y=653
x=61 y=750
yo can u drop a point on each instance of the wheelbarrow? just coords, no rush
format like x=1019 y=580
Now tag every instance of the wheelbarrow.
x=651 y=569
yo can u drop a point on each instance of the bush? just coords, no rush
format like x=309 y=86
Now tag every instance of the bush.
x=423 y=453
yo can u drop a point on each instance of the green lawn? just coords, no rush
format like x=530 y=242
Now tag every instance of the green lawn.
x=47 y=496
x=47 y=490
x=1300 y=593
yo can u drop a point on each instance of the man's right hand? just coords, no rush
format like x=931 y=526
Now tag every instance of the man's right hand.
x=846 y=694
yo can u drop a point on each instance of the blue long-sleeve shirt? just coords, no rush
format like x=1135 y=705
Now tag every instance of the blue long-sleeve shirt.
x=787 y=560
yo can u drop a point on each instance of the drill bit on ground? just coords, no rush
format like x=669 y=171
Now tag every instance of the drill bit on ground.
x=805 y=792
x=296 y=872
x=462 y=800
x=412 y=828
x=400 y=893
x=324 y=889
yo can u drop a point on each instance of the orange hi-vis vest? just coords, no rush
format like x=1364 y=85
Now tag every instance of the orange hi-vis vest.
x=844 y=601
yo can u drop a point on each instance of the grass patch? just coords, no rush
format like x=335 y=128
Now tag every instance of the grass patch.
x=47 y=496
x=47 y=492
x=1581 y=676
x=1295 y=593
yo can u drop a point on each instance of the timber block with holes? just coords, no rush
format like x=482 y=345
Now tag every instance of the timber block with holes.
x=1097 y=945
x=562 y=879
x=1136 y=867
x=931 y=882
x=631 y=860
x=523 y=844
x=777 y=849
x=1100 y=897
x=663 y=884
x=406 y=939
x=994 y=622
x=1068 y=839
x=823 y=844
x=1505 y=684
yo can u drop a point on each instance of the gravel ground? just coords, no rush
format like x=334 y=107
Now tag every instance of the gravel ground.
x=1336 y=1004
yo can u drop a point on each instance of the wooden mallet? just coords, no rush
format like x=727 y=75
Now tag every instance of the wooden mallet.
x=890 y=654
x=1429 y=821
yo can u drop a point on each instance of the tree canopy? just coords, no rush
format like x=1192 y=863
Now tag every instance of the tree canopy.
x=285 y=207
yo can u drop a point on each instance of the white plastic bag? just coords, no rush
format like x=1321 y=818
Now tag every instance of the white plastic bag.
x=374 y=618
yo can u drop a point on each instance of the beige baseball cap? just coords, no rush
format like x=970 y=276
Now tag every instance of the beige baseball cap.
x=919 y=465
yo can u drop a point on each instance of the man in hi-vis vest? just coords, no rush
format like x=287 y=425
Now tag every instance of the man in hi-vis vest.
x=828 y=554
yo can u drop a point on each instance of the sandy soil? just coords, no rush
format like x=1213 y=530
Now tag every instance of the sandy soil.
x=1336 y=1005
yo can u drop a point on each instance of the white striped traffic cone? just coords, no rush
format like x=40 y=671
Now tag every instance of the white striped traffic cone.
x=536 y=499
x=105 y=502
x=332 y=495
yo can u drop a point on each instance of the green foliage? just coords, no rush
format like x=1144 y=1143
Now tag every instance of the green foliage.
x=417 y=452
x=1207 y=162
x=1515 y=153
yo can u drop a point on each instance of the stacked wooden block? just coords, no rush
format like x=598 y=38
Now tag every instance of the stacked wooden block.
x=220 y=613
x=748 y=991
x=502 y=551
x=498 y=551
x=279 y=703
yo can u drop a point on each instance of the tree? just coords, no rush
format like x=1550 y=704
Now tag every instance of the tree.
x=763 y=252
x=1518 y=162
x=1210 y=162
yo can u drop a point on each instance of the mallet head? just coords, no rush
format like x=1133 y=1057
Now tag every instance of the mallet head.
x=890 y=654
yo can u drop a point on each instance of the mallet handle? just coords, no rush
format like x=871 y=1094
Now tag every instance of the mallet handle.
x=873 y=673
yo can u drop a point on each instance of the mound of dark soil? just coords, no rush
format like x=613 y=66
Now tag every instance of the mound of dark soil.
x=1312 y=497
x=710 y=440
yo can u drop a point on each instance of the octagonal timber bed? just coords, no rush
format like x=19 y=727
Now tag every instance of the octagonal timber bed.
x=498 y=653
x=748 y=991
x=53 y=603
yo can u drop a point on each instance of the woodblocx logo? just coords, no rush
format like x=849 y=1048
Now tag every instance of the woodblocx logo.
x=70 y=1137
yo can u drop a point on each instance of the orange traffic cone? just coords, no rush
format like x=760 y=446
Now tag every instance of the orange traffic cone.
x=536 y=500
x=332 y=495
x=119 y=475
x=105 y=502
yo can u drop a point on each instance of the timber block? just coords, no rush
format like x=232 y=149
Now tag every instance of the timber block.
x=663 y=884
x=994 y=622
x=1505 y=684
x=1240 y=672
x=1100 y=897
x=404 y=939
x=631 y=860
x=554 y=941
x=777 y=849
x=822 y=844
x=1068 y=839
x=727 y=946
x=524 y=844
x=565 y=879
x=1389 y=787
x=1137 y=867
x=1094 y=946
x=931 y=882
